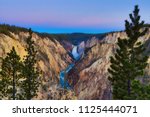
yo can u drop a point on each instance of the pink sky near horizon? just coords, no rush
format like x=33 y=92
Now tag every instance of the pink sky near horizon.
x=71 y=15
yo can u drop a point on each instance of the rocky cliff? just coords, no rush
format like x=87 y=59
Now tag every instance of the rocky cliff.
x=91 y=81
x=52 y=57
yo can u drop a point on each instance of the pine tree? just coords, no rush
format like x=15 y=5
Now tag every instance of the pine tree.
x=129 y=62
x=30 y=71
x=140 y=91
x=10 y=76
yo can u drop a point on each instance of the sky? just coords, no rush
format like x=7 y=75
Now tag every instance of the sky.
x=68 y=16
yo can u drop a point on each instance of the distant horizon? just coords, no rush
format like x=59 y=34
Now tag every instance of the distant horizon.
x=71 y=16
x=64 y=32
x=78 y=32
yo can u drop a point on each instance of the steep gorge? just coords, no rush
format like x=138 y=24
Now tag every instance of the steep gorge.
x=91 y=81
x=89 y=75
x=52 y=58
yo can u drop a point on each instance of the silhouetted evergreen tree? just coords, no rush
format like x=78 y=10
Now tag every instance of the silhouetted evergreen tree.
x=30 y=72
x=10 y=76
x=129 y=61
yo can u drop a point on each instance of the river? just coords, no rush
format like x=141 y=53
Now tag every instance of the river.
x=63 y=77
x=77 y=52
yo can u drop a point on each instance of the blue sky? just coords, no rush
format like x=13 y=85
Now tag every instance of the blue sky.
x=67 y=16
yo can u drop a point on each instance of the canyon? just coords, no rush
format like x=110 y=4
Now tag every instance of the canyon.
x=88 y=75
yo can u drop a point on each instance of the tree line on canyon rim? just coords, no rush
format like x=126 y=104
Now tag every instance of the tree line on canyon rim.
x=19 y=78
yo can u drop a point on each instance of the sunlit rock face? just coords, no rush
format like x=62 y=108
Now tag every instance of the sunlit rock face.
x=91 y=81
x=52 y=57
x=91 y=42
x=81 y=48
x=67 y=45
